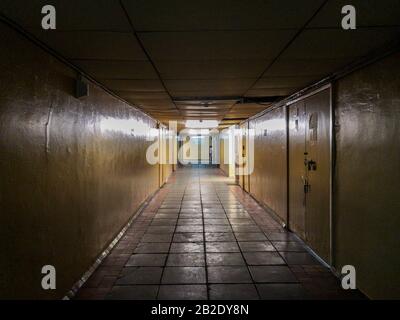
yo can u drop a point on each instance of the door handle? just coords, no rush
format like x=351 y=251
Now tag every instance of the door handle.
x=306 y=185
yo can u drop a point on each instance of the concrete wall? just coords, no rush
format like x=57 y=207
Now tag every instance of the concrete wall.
x=72 y=170
x=367 y=176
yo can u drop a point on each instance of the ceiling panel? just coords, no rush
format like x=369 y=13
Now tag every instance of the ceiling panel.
x=104 y=15
x=149 y=102
x=210 y=45
x=135 y=85
x=93 y=45
x=241 y=111
x=209 y=103
x=114 y=69
x=157 y=95
x=339 y=43
x=265 y=92
x=305 y=67
x=209 y=87
x=368 y=13
x=207 y=48
x=154 y=15
x=204 y=94
x=211 y=69
x=284 y=82
x=211 y=109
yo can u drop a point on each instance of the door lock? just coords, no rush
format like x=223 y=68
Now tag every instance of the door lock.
x=311 y=165
x=306 y=185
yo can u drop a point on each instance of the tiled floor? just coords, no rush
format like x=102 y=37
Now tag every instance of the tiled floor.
x=203 y=238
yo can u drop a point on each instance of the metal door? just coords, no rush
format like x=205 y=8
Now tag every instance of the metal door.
x=246 y=176
x=238 y=136
x=309 y=157
x=297 y=172
x=318 y=166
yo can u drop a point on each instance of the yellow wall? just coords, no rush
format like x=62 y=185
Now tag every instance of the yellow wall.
x=73 y=172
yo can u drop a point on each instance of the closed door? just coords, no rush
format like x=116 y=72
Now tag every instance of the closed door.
x=242 y=161
x=297 y=172
x=310 y=171
x=247 y=154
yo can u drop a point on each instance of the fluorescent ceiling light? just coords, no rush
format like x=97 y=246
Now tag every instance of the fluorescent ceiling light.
x=201 y=124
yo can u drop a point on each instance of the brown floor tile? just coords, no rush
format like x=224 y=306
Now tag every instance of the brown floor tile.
x=288 y=246
x=220 y=237
x=217 y=228
x=151 y=237
x=188 y=237
x=228 y=274
x=191 y=229
x=222 y=247
x=281 y=236
x=225 y=259
x=189 y=247
x=272 y=274
x=185 y=259
x=146 y=259
x=301 y=258
x=156 y=247
x=136 y=292
x=233 y=292
x=255 y=246
x=140 y=275
x=282 y=291
x=188 y=222
x=263 y=258
x=161 y=229
x=183 y=292
x=164 y=222
x=245 y=236
x=244 y=246
x=184 y=275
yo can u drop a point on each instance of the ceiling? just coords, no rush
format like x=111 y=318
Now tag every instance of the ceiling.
x=208 y=59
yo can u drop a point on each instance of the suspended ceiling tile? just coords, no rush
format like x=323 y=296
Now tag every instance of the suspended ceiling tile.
x=237 y=85
x=93 y=45
x=228 y=123
x=211 y=69
x=151 y=15
x=205 y=94
x=219 y=109
x=86 y=15
x=149 y=102
x=284 y=82
x=113 y=69
x=134 y=85
x=270 y=92
x=202 y=103
x=159 y=95
x=164 y=113
x=368 y=13
x=215 y=44
x=339 y=43
x=159 y=105
x=305 y=67
x=248 y=106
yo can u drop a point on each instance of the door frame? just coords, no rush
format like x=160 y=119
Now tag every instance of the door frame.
x=331 y=145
